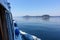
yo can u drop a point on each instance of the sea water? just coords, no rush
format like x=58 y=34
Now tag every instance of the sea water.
x=46 y=29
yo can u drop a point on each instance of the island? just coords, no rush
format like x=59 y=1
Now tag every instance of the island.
x=46 y=16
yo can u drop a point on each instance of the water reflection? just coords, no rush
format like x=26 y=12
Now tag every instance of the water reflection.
x=36 y=19
x=46 y=19
x=51 y=20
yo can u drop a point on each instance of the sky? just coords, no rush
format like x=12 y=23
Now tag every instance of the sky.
x=35 y=7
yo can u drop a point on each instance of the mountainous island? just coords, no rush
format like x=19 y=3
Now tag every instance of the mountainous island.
x=43 y=16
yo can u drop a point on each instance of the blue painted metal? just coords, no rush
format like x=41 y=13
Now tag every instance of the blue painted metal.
x=17 y=32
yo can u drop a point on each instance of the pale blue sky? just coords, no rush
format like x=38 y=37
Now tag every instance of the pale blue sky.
x=35 y=7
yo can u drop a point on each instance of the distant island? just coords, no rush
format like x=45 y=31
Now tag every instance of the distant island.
x=43 y=16
x=46 y=16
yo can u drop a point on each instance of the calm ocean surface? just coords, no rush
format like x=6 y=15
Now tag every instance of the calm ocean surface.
x=46 y=29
